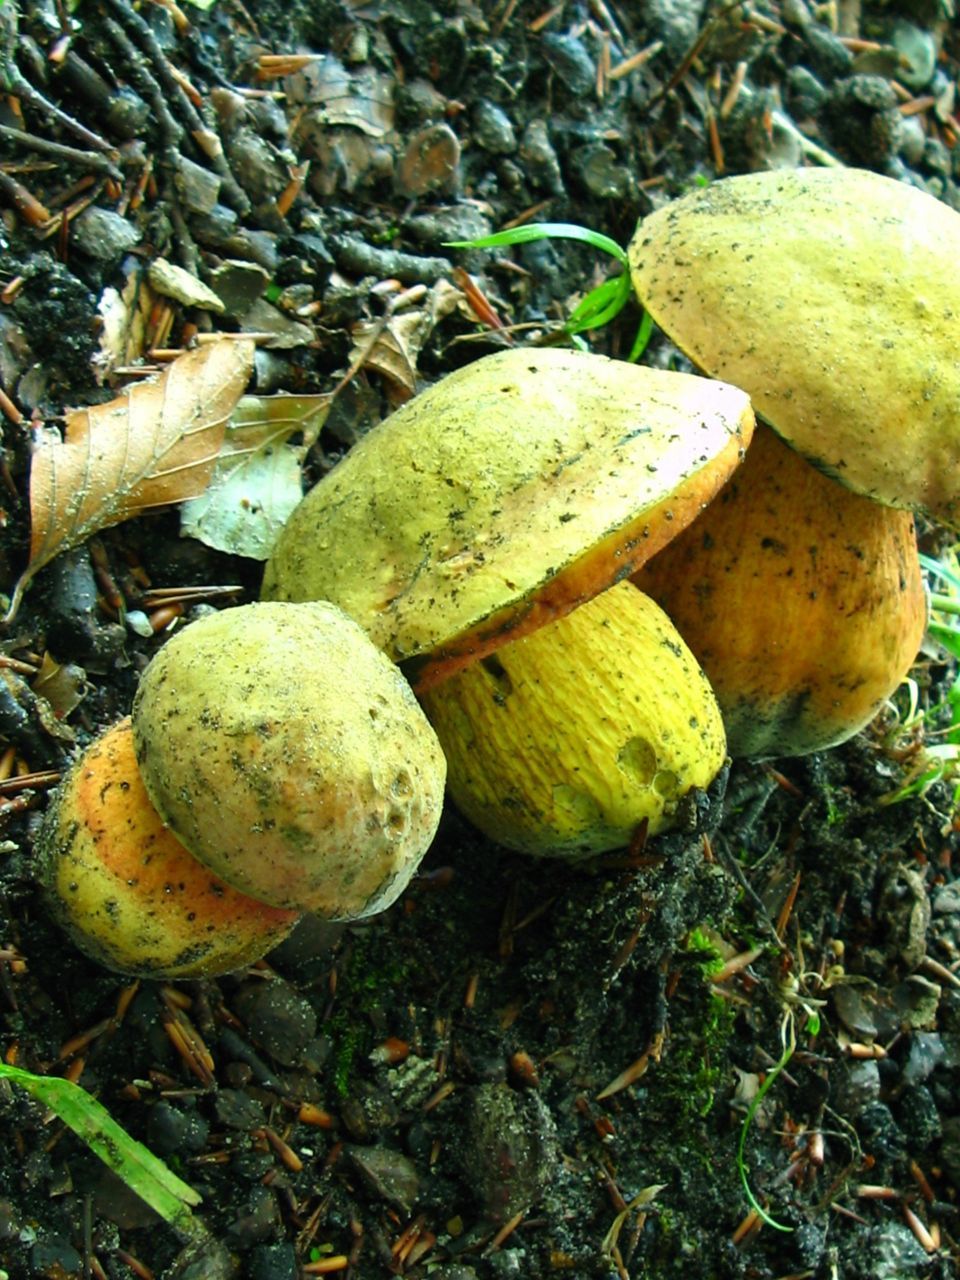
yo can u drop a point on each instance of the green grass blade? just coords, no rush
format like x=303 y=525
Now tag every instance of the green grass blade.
x=544 y=231
x=747 y=1121
x=949 y=637
x=642 y=339
x=941 y=570
x=600 y=306
x=130 y=1160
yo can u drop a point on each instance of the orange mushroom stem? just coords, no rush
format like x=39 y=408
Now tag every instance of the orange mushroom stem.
x=802 y=601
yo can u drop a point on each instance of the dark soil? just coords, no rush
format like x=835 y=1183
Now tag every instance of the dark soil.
x=462 y=1056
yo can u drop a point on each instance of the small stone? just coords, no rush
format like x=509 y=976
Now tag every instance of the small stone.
x=260 y=1220
x=891 y=1252
x=918 y=1117
x=676 y=22
x=864 y=121
x=879 y=1132
x=947 y=900
x=389 y=1175
x=54 y=1256
x=936 y=157
x=367 y=1113
x=950 y=1149
x=918 y=54
x=202 y=1259
x=540 y=159
x=171 y=1129
x=855 y=1009
x=419 y=103
x=805 y=95
x=273 y=1262
x=238 y=1110
x=512 y=1151
x=285 y=333
x=916 y=1001
x=173 y=282
x=277 y=1018
x=829 y=57
x=261 y=169
x=216 y=227
x=493 y=130
x=857 y=1084
x=198 y=188
x=431 y=162
x=238 y=285
x=597 y=167
x=102 y=234
x=440 y=226
x=912 y=143
x=570 y=62
x=927 y=1051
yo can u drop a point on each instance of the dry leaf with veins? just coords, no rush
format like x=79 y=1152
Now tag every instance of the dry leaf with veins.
x=155 y=444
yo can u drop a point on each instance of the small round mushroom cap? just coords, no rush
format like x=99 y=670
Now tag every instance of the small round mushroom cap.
x=291 y=757
x=126 y=890
x=802 y=601
x=504 y=496
x=564 y=742
x=831 y=296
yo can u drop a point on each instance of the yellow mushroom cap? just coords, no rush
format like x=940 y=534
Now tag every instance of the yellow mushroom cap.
x=128 y=892
x=564 y=742
x=291 y=757
x=504 y=496
x=831 y=297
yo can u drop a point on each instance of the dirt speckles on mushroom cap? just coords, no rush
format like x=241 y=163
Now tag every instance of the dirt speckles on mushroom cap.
x=291 y=757
x=506 y=495
x=832 y=297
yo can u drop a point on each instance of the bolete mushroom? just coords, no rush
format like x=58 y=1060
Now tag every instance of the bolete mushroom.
x=802 y=601
x=290 y=757
x=504 y=496
x=498 y=501
x=125 y=889
x=830 y=295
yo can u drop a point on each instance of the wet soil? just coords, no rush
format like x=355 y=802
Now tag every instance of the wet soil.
x=521 y=1069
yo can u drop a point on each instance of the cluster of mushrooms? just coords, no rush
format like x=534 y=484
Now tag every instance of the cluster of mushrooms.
x=564 y=586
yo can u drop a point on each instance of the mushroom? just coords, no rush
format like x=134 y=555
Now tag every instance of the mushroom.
x=504 y=496
x=498 y=501
x=565 y=742
x=290 y=757
x=125 y=889
x=802 y=601
x=830 y=295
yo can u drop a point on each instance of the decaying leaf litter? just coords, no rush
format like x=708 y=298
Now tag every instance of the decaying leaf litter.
x=352 y=1109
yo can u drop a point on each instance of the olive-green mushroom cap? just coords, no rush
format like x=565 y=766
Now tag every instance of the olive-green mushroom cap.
x=831 y=296
x=504 y=496
x=290 y=757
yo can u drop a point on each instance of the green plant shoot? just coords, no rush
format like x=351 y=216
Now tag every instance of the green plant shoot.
x=938 y=761
x=788 y=1037
x=602 y=304
x=130 y=1160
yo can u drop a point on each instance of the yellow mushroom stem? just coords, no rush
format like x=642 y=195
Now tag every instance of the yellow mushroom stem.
x=563 y=742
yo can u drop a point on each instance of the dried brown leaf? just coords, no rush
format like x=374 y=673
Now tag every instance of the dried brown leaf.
x=392 y=346
x=155 y=444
